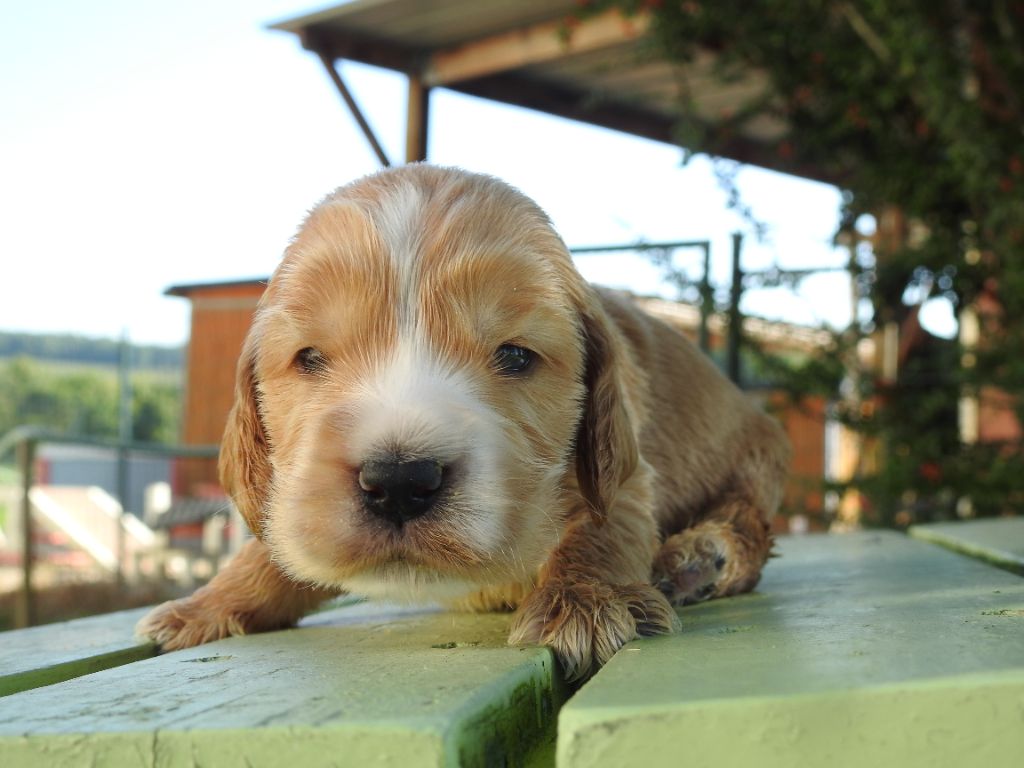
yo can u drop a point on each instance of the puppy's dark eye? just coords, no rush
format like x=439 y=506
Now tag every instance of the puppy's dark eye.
x=310 y=360
x=512 y=360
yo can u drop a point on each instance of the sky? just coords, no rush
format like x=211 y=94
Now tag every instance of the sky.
x=145 y=144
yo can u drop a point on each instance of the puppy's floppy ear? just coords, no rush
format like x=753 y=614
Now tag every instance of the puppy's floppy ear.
x=606 y=448
x=245 y=470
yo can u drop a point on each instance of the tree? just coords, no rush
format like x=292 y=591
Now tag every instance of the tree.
x=156 y=408
x=84 y=402
x=915 y=104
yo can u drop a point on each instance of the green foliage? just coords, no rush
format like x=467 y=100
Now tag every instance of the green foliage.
x=156 y=410
x=915 y=103
x=85 y=401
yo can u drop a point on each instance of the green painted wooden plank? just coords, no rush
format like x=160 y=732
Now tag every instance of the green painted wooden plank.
x=52 y=653
x=998 y=540
x=359 y=686
x=867 y=649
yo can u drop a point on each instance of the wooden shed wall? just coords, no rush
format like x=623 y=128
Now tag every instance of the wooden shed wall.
x=221 y=316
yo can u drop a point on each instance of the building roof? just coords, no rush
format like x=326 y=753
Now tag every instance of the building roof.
x=191 y=510
x=186 y=290
x=535 y=54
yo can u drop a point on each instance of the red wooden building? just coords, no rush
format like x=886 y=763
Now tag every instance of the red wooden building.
x=221 y=316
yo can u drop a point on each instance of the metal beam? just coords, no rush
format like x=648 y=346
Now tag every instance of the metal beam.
x=560 y=100
x=735 y=328
x=532 y=45
x=353 y=107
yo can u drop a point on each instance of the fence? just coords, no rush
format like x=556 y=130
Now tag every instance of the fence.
x=24 y=442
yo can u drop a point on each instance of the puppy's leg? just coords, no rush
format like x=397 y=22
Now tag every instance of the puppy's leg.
x=723 y=554
x=251 y=594
x=594 y=594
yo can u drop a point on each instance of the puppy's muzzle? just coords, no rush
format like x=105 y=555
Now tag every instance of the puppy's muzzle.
x=400 y=491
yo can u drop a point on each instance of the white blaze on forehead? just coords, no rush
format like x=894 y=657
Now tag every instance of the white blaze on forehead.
x=399 y=221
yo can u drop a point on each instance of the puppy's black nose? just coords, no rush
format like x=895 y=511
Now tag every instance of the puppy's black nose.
x=399 y=491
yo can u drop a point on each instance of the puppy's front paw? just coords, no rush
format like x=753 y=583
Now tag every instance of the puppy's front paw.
x=190 y=621
x=585 y=623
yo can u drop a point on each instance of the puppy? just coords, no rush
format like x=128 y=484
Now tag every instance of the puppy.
x=433 y=405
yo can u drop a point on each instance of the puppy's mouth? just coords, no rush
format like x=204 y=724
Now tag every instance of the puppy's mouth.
x=421 y=545
x=382 y=533
x=403 y=580
x=414 y=516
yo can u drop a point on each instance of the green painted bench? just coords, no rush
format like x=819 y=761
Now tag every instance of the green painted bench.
x=998 y=540
x=868 y=649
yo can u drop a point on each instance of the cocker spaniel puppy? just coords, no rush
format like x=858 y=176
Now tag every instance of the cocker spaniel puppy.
x=433 y=405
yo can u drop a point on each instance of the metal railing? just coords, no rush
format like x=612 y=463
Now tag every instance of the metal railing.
x=23 y=442
x=660 y=254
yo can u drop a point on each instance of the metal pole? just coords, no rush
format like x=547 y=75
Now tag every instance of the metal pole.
x=124 y=438
x=357 y=113
x=639 y=247
x=25 y=613
x=707 y=301
x=735 y=318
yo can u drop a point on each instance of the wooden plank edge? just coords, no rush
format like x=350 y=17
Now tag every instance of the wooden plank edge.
x=968 y=719
x=59 y=673
x=1007 y=561
x=518 y=727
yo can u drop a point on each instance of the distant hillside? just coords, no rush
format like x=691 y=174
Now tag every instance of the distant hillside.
x=82 y=349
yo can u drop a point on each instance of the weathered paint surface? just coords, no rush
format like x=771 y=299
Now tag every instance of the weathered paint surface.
x=359 y=686
x=870 y=649
x=999 y=540
x=49 y=654
x=863 y=650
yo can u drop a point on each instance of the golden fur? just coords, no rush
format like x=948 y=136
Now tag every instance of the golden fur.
x=619 y=475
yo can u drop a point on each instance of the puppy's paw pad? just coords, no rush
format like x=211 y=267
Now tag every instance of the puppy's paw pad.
x=586 y=623
x=187 y=622
x=690 y=568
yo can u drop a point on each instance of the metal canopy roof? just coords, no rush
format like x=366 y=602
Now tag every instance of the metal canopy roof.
x=532 y=54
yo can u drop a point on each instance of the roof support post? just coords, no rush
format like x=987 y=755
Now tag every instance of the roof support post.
x=417 y=120
x=735 y=330
x=350 y=102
